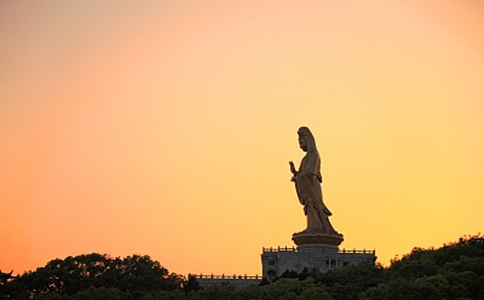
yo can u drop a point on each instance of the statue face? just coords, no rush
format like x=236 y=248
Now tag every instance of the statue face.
x=303 y=143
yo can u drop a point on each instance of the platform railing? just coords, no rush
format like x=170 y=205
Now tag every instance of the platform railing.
x=279 y=249
x=294 y=249
x=228 y=277
x=357 y=251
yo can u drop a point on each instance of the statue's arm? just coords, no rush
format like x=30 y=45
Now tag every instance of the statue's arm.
x=293 y=170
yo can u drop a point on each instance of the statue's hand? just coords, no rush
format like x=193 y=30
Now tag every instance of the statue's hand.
x=293 y=169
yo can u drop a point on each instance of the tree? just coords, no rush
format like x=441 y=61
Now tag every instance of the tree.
x=191 y=284
x=73 y=275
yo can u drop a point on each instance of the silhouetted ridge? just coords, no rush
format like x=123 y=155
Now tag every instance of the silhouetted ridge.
x=454 y=271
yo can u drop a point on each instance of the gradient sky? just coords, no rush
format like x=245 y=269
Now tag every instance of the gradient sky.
x=165 y=127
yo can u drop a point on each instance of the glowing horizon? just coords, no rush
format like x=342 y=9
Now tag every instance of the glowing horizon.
x=166 y=129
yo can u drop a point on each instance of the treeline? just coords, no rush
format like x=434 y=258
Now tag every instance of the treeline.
x=93 y=276
x=454 y=271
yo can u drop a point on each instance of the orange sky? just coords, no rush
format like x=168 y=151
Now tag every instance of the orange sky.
x=165 y=128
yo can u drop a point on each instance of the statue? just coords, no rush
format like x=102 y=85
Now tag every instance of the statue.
x=308 y=181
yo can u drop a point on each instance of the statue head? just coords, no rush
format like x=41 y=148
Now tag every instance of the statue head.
x=306 y=139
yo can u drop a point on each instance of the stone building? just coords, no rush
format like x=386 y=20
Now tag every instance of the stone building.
x=318 y=258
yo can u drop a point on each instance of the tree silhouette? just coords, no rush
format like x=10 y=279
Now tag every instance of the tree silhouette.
x=94 y=271
x=455 y=271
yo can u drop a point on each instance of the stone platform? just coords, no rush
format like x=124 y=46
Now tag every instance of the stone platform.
x=312 y=238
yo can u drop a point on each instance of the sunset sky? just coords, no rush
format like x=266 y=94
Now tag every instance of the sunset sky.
x=165 y=127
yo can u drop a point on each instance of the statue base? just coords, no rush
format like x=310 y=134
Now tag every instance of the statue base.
x=309 y=238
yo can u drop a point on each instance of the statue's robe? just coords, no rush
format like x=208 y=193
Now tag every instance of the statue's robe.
x=308 y=186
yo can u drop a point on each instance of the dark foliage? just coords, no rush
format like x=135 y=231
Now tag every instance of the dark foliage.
x=191 y=284
x=351 y=281
x=86 y=274
x=455 y=271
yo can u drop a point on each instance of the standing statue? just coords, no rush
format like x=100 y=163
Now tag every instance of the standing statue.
x=308 y=181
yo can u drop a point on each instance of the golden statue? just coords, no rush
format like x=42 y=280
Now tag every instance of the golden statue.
x=308 y=181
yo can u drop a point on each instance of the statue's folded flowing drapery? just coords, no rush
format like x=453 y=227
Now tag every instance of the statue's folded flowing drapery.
x=308 y=185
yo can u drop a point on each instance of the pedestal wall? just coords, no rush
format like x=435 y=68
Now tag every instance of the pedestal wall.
x=315 y=257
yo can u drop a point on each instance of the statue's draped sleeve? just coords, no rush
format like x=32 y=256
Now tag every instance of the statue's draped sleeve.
x=312 y=163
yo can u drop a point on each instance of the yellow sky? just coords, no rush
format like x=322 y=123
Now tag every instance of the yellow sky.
x=165 y=128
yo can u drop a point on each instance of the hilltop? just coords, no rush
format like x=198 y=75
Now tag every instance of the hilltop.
x=453 y=271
